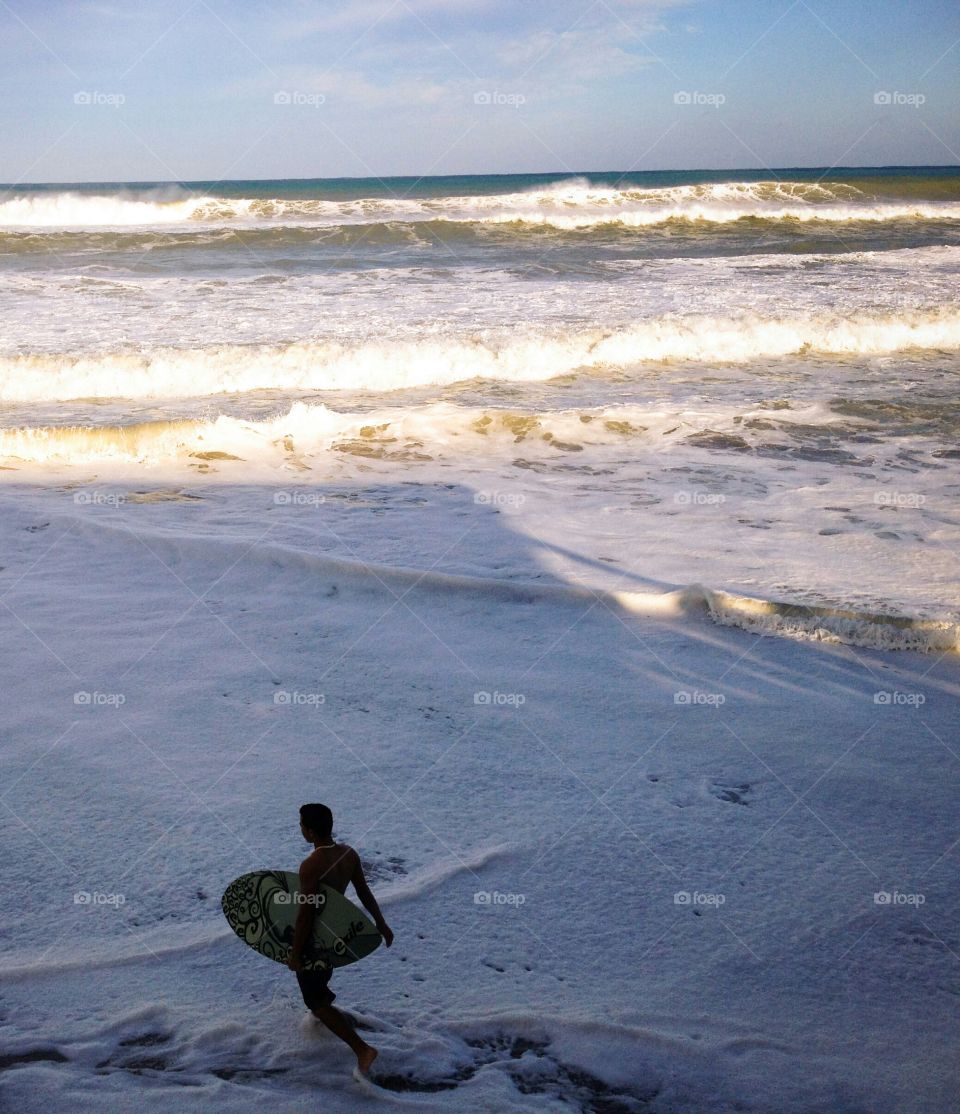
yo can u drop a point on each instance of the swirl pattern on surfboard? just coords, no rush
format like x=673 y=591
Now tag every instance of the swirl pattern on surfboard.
x=249 y=903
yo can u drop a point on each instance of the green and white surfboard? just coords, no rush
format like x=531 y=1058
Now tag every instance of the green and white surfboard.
x=262 y=909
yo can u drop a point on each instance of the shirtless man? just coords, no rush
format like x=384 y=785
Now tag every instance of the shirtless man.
x=334 y=864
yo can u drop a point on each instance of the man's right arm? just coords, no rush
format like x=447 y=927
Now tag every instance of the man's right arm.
x=368 y=901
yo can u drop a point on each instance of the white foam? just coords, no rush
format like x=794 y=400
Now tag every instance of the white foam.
x=439 y=428
x=832 y=624
x=581 y=206
x=693 y=602
x=566 y=205
x=529 y=356
x=76 y=210
x=86 y=313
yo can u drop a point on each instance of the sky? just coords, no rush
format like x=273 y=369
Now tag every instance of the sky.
x=181 y=90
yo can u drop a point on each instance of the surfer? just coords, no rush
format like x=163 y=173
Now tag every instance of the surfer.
x=332 y=864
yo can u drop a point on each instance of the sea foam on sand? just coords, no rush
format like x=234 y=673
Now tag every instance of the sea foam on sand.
x=634 y=859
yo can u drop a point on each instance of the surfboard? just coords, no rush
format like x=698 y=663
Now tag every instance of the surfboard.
x=262 y=909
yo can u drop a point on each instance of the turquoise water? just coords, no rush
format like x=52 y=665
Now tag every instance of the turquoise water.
x=930 y=182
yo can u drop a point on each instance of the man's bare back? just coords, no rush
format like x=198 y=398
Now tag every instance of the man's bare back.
x=333 y=866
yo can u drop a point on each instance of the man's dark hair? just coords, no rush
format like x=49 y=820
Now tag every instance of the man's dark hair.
x=317 y=819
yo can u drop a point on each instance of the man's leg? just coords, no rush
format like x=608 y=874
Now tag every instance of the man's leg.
x=341 y=1027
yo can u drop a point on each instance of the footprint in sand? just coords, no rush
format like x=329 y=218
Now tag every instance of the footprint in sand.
x=733 y=793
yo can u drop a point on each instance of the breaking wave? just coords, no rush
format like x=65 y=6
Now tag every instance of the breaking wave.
x=389 y=365
x=426 y=432
x=76 y=210
x=832 y=624
x=408 y=432
x=571 y=205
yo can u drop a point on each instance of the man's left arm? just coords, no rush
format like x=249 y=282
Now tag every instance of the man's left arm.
x=368 y=901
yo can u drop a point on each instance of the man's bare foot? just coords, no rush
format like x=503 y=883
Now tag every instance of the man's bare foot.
x=365 y=1058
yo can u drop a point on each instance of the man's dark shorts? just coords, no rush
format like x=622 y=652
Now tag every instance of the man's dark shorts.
x=314 y=988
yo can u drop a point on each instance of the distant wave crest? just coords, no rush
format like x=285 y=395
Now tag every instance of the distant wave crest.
x=571 y=205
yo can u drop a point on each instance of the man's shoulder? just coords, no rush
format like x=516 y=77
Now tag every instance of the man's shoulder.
x=312 y=861
x=308 y=863
x=319 y=855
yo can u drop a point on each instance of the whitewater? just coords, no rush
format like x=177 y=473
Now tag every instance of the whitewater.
x=393 y=366
x=573 y=204
x=530 y=521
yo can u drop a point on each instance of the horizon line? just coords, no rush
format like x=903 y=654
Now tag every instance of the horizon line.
x=7 y=187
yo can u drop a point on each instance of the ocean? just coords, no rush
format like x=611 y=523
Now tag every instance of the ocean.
x=742 y=380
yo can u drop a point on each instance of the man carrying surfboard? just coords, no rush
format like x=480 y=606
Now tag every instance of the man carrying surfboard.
x=331 y=864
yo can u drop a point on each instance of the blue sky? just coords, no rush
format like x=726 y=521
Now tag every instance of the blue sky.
x=204 y=89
